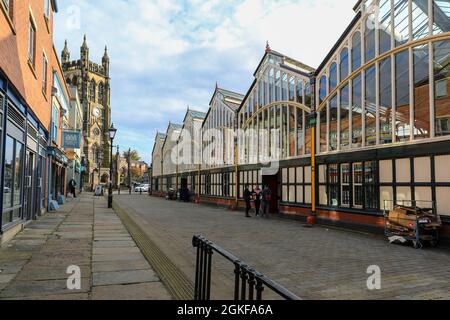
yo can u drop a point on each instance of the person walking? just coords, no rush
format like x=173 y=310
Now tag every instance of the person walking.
x=266 y=199
x=72 y=186
x=247 y=199
x=258 y=197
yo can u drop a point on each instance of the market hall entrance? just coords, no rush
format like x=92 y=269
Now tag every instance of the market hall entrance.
x=272 y=182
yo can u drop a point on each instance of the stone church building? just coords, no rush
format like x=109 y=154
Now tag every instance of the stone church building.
x=93 y=83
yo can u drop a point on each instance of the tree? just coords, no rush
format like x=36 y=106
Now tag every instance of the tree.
x=134 y=155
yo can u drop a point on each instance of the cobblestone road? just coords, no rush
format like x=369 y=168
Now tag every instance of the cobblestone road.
x=316 y=263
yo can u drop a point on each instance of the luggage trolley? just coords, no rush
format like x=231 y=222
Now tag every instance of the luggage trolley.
x=413 y=223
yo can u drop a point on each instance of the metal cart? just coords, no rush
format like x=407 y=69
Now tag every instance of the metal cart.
x=421 y=228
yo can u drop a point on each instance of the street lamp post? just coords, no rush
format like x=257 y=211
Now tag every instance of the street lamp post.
x=112 y=133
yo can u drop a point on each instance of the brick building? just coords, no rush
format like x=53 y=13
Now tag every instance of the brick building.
x=28 y=69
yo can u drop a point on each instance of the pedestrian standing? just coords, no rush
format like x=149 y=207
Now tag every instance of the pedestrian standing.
x=72 y=186
x=266 y=199
x=258 y=197
x=247 y=199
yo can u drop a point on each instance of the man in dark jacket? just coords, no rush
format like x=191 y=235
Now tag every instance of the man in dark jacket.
x=247 y=199
x=72 y=186
x=266 y=198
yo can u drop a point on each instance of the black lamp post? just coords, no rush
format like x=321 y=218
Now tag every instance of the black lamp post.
x=112 y=133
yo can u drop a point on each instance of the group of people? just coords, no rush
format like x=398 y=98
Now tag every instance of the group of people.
x=261 y=199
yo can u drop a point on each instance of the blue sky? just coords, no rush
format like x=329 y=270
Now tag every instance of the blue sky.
x=168 y=54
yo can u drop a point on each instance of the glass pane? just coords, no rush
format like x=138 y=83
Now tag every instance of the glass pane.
x=344 y=64
x=292 y=129
x=284 y=134
x=18 y=174
x=357 y=113
x=277 y=85
x=420 y=19
x=441 y=13
x=401 y=22
x=322 y=89
x=441 y=61
x=333 y=76
x=385 y=101
x=333 y=133
x=385 y=29
x=284 y=91
x=403 y=128
x=9 y=172
x=291 y=89
x=345 y=118
x=369 y=39
x=300 y=139
x=421 y=92
x=308 y=94
x=370 y=107
x=356 y=51
x=271 y=84
x=323 y=130
x=300 y=91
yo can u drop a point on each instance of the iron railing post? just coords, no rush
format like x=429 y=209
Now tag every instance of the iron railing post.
x=244 y=283
x=259 y=287
x=237 y=275
x=251 y=284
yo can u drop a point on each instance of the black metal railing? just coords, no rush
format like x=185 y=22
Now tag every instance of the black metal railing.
x=249 y=284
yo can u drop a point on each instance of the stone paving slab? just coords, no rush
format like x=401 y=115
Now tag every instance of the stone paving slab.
x=142 y=291
x=84 y=233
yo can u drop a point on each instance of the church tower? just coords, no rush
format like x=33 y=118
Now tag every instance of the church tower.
x=93 y=83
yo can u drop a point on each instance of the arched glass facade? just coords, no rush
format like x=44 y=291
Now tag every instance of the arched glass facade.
x=391 y=92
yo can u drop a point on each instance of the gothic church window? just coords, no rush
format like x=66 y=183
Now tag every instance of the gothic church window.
x=92 y=90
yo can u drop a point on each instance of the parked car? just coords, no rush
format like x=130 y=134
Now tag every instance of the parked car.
x=142 y=188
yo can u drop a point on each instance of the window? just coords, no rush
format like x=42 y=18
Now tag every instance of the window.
x=441 y=86
x=441 y=89
x=333 y=76
x=385 y=30
x=345 y=117
x=300 y=92
x=370 y=107
x=44 y=73
x=55 y=123
x=385 y=84
x=32 y=42
x=369 y=39
x=333 y=130
x=343 y=67
x=358 y=185
x=420 y=19
x=401 y=22
x=421 y=92
x=101 y=92
x=323 y=130
x=403 y=130
x=345 y=185
x=300 y=138
x=441 y=13
x=370 y=187
x=333 y=185
x=357 y=113
x=291 y=89
x=12 y=199
x=322 y=89
x=284 y=91
x=356 y=51
x=92 y=88
x=277 y=85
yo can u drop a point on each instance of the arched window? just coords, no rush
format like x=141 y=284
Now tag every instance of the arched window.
x=356 y=51
x=343 y=67
x=333 y=76
x=101 y=92
x=369 y=38
x=322 y=88
x=92 y=87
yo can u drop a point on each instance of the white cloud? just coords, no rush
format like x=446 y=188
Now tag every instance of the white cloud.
x=167 y=54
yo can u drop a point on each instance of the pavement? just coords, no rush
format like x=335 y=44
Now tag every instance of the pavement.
x=84 y=235
x=317 y=263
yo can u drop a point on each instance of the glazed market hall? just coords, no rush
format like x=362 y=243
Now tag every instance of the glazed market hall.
x=367 y=129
